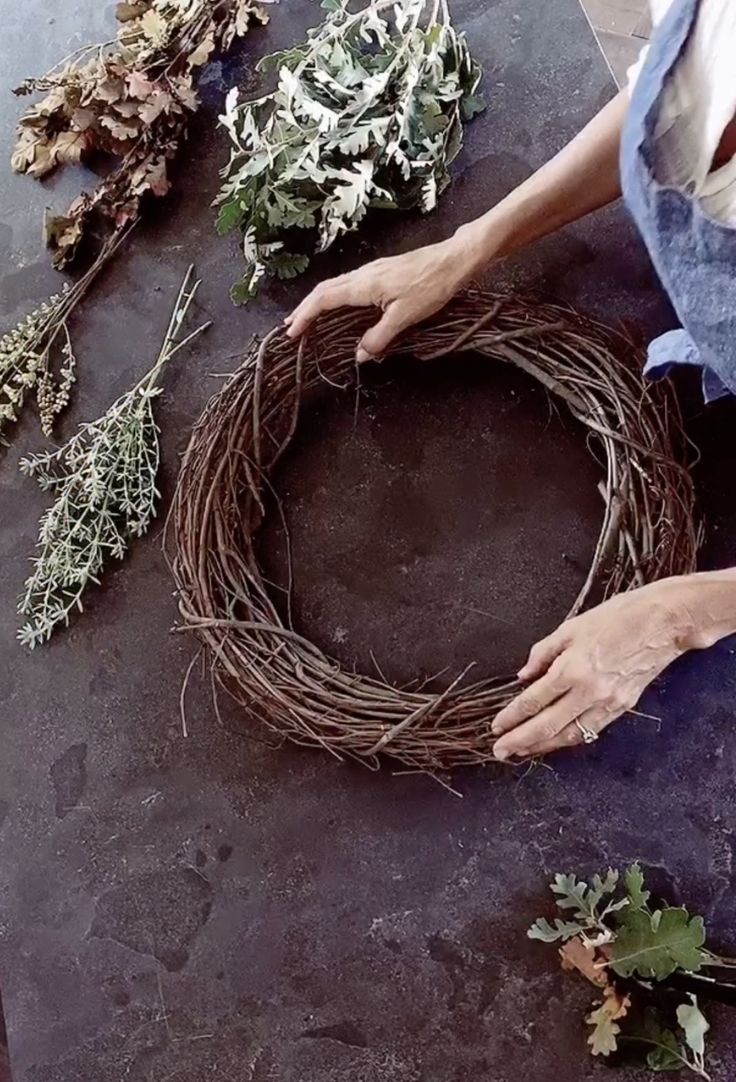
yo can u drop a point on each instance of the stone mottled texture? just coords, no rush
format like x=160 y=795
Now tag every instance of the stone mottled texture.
x=214 y=908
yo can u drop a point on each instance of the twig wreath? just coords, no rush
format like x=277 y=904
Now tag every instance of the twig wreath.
x=287 y=682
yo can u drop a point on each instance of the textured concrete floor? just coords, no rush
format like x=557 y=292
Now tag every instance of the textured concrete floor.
x=213 y=908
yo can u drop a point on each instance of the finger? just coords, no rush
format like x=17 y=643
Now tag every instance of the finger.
x=531 y=701
x=334 y=293
x=378 y=338
x=570 y=736
x=544 y=727
x=543 y=653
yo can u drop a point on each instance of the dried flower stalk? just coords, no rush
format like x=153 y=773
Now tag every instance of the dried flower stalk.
x=104 y=481
x=37 y=354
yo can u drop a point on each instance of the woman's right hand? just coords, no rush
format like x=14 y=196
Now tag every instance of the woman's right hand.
x=408 y=288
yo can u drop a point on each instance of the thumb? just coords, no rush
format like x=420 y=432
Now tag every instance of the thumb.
x=542 y=654
x=378 y=338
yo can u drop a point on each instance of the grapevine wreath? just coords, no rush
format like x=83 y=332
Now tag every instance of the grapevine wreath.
x=271 y=668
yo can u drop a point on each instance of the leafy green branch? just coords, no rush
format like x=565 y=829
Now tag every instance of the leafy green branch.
x=630 y=950
x=367 y=113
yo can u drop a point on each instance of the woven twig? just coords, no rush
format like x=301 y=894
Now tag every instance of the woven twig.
x=280 y=677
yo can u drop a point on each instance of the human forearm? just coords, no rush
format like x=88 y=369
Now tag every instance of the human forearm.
x=706 y=607
x=411 y=286
x=581 y=178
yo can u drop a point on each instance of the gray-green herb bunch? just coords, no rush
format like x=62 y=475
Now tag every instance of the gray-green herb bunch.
x=104 y=481
x=367 y=112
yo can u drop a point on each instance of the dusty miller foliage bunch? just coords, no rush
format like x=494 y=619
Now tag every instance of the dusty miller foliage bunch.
x=104 y=483
x=367 y=112
x=640 y=957
x=130 y=100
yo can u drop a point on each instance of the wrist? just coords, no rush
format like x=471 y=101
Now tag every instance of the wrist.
x=701 y=606
x=478 y=243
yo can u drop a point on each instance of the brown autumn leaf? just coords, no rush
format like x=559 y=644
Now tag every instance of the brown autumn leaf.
x=43 y=159
x=139 y=85
x=604 y=1020
x=69 y=146
x=120 y=129
x=63 y=234
x=126 y=213
x=576 y=955
x=83 y=118
x=202 y=53
x=159 y=102
x=151 y=176
x=127 y=108
x=109 y=89
x=158 y=179
x=185 y=92
x=54 y=102
x=24 y=152
x=124 y=13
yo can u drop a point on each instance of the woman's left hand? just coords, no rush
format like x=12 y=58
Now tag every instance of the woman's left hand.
x=594 y=668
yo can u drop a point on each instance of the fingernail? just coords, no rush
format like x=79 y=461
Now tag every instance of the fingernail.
x=362 y=355
x=496 y=729
x=500 y=753
x=290 y=331
x=289 y=318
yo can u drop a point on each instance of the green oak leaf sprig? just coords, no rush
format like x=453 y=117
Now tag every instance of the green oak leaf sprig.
x=637 y=954
x=367 y=113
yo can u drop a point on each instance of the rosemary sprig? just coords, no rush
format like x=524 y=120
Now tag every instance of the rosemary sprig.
x=104 y=481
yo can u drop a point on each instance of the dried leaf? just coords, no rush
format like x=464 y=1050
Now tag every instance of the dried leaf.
x=604 y=1020
x=139 y=85
x=24 y=153
x=154 y=27
x=127 y=212
x=185 y=92
x=121 y=129
x=110 y=89
x=158 y=103
x=126 y=12
x=63 y=234
x=69 y=146
x=150 y=175
x=44 y=160
x=576 y=955
x=202 y=53
x=83 y=118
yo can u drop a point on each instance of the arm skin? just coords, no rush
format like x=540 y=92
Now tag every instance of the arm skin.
x=410 y=287
x=595 y=666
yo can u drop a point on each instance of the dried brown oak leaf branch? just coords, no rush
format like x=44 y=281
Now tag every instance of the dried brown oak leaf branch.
x=129 y=100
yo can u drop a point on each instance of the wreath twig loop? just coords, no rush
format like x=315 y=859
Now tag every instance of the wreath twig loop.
x=647 y=530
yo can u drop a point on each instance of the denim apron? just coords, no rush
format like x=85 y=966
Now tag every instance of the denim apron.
x=694 y=255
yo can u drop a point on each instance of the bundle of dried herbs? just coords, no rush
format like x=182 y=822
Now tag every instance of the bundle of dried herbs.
x=37 y=354
x=367 y=112
x=647 y=962
x=104 y=483
x=130 y=100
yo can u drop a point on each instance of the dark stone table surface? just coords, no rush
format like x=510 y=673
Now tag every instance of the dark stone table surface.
x=213 y=908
